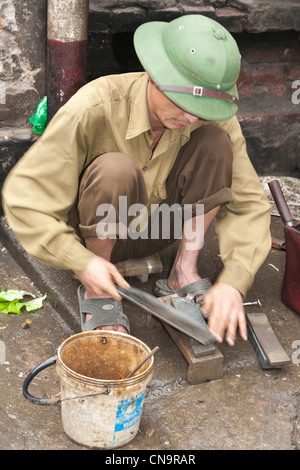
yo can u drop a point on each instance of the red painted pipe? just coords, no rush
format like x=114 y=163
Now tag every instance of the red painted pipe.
x=67 y=38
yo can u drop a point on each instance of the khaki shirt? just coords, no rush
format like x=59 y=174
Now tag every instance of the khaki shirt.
x=110 y=114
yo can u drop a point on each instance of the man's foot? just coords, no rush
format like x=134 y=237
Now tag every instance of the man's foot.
x=88 y=316
x=119 y=328
x=94 y=310
x=177 y=280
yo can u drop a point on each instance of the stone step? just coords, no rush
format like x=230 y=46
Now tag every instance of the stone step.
x=236 y=15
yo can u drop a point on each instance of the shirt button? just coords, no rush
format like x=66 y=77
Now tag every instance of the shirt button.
x=145 y=168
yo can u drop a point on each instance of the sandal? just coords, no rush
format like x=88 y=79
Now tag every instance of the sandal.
x=161 y=288
x=105 y=311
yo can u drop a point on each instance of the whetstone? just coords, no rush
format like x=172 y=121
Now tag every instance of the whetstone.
x=264 y=341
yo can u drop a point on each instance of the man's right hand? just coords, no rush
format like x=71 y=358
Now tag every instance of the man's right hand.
x=99 y=278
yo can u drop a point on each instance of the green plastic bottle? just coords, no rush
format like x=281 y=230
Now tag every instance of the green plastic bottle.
x=39 y=119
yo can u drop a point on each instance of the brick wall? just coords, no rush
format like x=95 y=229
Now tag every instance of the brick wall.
x=269 y=116
x=270 y=63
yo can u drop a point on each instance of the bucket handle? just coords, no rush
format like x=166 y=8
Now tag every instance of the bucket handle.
x=40 y=401
x=55 y=399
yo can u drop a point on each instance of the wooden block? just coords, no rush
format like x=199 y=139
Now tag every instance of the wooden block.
x=205 y=362
x=152 y=322
x=265 y=341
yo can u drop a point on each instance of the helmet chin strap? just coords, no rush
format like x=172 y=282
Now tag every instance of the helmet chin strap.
x=200 y=91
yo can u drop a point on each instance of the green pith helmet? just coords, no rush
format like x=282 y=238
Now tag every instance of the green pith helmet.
x=194 y=61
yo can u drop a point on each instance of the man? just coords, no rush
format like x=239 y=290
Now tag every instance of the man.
x=168 y=135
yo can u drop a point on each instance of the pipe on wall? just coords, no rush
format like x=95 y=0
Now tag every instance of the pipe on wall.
x=67 y=40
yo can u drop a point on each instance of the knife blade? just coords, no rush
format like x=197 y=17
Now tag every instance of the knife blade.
x=183 y=321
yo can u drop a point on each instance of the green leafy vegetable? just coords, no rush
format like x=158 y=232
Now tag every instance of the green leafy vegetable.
x=9 y=301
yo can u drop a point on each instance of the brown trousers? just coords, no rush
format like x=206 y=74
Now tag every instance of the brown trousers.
x=201 y=174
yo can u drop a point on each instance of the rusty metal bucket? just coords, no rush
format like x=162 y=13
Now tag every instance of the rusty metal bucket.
x=100 y=407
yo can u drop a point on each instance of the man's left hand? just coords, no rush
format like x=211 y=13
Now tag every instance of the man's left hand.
x=223 y=305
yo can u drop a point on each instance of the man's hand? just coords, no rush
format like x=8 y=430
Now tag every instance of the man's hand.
x=99 y=277
x=224 y=306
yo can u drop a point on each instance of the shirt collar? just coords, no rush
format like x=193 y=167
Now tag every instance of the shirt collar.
x=139 y=115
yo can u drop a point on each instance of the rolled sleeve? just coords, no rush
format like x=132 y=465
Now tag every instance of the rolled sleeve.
x=243 y=225
x=40 y=190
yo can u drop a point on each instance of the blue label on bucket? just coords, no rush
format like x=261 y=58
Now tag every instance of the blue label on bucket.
x=128 y=413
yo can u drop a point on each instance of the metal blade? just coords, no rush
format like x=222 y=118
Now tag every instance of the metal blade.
x=190 y=324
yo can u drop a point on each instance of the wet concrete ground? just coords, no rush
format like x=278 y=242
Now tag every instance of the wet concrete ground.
x=248 y=409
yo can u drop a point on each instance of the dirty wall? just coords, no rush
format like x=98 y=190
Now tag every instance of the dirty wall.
x=22 y=48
